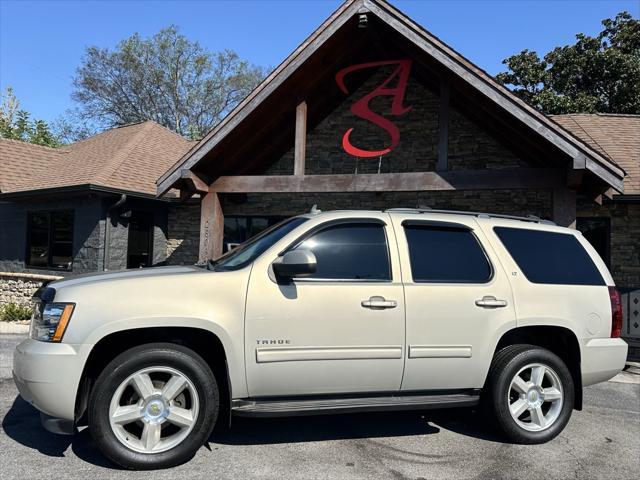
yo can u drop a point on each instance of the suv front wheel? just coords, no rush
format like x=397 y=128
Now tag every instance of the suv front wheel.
x=153 y=406
x=530 y=393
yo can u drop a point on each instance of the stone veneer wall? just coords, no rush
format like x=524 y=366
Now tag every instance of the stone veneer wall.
x=625 y=238
x=183 y=233
x=470 y=146
x=184 y=221
x=20 y=287
x=88 y=234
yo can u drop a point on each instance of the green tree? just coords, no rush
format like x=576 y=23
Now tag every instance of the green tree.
x=596 y=74
x=17 y=124
x=165 y=78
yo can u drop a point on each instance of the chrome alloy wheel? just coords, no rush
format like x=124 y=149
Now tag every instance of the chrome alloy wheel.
x=154 y=409
x=535 y=397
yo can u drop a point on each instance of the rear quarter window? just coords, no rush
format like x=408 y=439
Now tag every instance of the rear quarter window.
x=550 y=257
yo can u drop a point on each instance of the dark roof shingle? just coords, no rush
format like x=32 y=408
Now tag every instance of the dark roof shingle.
x=615 y=135
x=128 y=158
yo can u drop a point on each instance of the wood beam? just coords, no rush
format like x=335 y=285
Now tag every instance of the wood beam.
x=193 y=181
x=301 y=139
x=564 y=207
x=394 y=182
x=211 y=227
x=575 y=178
x=443 y=127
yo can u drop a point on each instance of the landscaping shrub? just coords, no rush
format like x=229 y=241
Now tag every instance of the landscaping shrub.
x=12 y=312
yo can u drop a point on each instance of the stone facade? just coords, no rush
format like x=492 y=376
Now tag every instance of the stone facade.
x=470 y=147
x=184 y=221
x=89 y=232
x=183 y=233
x=625 y=238
x=536 y=202
x=18 y=288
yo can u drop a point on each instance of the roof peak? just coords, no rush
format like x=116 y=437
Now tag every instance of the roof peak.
x=427 y=46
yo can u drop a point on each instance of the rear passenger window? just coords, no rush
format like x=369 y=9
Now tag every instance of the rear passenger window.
x=445 y=255
x=353 y=251
x=550 y=257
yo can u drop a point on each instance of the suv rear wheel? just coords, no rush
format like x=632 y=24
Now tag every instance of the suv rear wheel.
x=530 y=393
x=153 y=406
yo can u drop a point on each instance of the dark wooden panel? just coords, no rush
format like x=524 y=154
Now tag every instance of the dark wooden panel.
x=390 y=182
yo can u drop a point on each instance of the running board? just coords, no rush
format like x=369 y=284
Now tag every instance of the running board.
x=316 y=406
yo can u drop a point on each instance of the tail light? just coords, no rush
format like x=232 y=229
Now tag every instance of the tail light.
x=616 y=312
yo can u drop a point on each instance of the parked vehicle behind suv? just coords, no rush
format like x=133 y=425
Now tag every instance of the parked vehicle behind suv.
x=329 y=313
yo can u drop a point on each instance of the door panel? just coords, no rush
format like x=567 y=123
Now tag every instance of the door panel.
x=451 y=338
x=315 y=336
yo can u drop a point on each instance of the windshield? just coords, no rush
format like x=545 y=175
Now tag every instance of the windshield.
x=247 y=252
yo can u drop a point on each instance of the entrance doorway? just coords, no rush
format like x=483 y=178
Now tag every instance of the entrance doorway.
x=140 y=242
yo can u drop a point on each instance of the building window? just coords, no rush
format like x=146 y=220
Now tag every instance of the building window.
x=50 y=239
x=239 y=229
x=597 y=230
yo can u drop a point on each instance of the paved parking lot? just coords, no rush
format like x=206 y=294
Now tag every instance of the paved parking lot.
x=601 y=442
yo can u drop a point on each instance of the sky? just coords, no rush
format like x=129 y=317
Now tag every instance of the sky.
x=42 y=42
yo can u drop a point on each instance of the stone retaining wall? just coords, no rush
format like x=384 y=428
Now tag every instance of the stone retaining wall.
x=19 y=287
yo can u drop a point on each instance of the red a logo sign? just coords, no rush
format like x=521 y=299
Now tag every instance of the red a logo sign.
x=361 y=107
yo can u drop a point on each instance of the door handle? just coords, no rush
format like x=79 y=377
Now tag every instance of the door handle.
x=378 y=303
x=489 y=301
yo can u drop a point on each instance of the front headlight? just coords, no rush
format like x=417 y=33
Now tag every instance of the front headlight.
x=50 y=320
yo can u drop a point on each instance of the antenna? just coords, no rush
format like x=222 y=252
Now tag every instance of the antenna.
x=315 y=210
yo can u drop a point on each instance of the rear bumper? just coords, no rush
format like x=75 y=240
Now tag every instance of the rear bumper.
x=47 y=375
x=602 y=359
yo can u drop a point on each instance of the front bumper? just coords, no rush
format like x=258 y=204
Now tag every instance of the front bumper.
x=47 y=375
x=602 y=359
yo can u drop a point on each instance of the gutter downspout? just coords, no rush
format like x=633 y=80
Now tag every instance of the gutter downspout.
x=107 y=229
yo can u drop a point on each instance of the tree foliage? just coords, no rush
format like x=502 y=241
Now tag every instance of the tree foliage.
x=596 y=74
x=16 y=124
x=165 y=78
x=72 y=127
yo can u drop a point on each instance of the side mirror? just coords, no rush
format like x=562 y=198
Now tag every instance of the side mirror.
x=296 y=263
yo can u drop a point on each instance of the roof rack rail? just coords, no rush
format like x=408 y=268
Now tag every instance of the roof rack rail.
x=528 y=218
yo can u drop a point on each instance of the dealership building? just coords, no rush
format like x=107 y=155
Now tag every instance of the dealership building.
x=371 y=111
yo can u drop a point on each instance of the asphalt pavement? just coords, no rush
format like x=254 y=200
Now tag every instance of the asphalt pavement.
x=600 y=442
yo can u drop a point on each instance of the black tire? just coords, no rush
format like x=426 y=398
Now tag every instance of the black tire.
x=506 y=364
x=180 y=358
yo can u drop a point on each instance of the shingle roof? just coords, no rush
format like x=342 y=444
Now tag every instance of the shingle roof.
x=128 y=158
x=614 y=135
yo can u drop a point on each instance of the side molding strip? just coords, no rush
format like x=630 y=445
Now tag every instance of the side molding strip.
x=439 y=351
x=292 y=354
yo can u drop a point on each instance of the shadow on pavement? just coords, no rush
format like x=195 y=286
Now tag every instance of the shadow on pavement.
x=22 y=424
x=259 y=431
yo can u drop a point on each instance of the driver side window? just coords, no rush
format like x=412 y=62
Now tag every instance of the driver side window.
x=350 y=251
